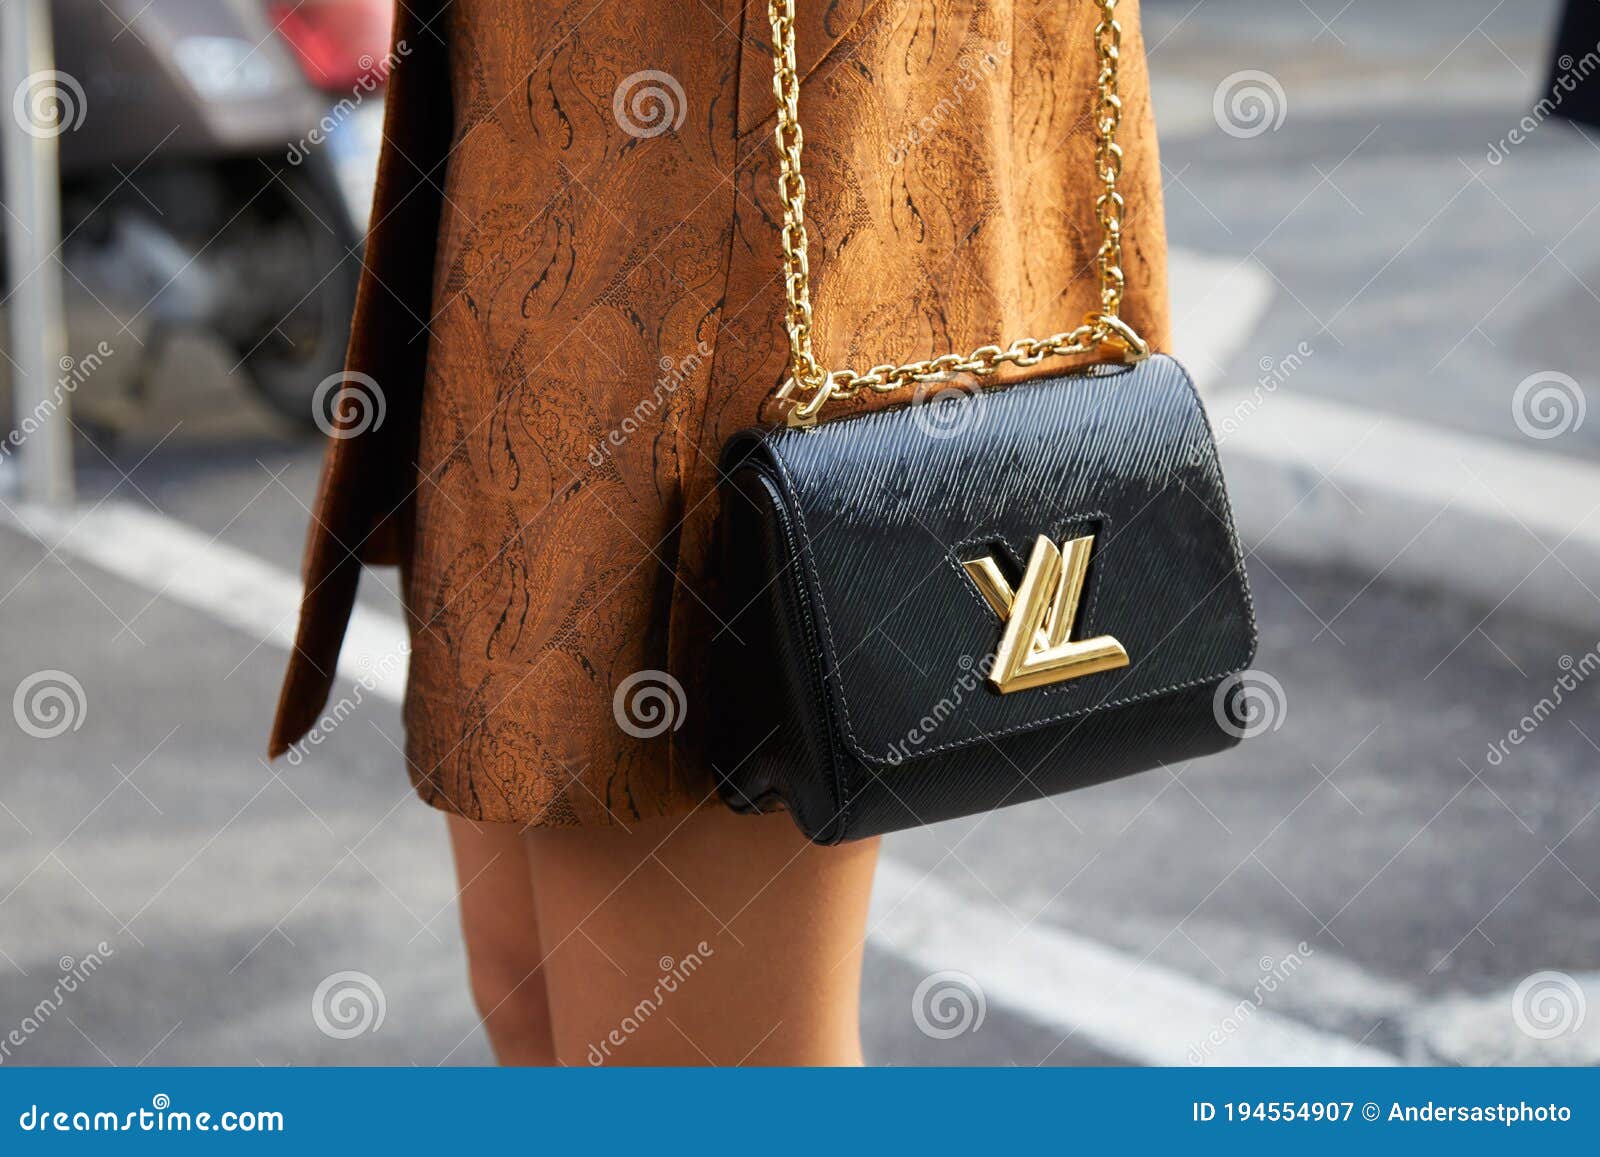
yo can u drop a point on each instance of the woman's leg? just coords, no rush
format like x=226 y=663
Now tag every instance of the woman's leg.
x=712 y=938
x=502 y=935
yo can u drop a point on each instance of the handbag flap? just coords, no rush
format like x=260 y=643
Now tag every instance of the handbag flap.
x=886 y=508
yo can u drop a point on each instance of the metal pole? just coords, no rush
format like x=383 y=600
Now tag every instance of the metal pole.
x=29 y=84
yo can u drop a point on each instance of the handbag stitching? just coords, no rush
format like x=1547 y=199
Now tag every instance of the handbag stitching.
x=815 y=595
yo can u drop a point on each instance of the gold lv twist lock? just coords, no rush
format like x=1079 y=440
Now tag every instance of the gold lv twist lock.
x=1037 y=647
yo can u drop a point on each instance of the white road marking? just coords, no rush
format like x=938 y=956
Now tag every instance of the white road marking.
x=1139 y=1011
x=1334 y=484
x=1325 y=484
x=1185 y=104
x=1427 y=465
x=1557 y=1014
x=1143 y=1012
x=177 y=562
x=1217 y=302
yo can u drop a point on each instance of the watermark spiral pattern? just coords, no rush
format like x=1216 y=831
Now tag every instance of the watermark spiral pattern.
x=348 y=1004
x=649 y=703
x=1249 y=704
x=1549 y=1004
x=49 y=703
x=947 y=407
x=649 y=103
x=1548 y=404
x=948 y=1004
x=1248 y=103
x=49 y=103
x=348 y=404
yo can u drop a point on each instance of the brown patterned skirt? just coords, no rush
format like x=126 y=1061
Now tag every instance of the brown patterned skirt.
x=607 y=311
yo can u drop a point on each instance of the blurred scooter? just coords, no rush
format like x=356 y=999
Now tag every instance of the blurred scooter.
x=217 y=161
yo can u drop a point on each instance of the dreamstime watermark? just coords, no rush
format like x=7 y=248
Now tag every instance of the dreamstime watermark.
x=948 y=406
x=673 y=375
x=74 y=974
x=674 y=974
x=1572 y=73
x=649 y=703
x=1274 y=372
x=49 y=703
x=160 y=1117
x=1548 y=404
x=1248 y=103
x=1576 y=671
x=348 y=404
x=74 y=373
x=974 y=66
x=1274 y=974
x=49 y=103
x=948 y=1004
x=649 y=103
x=348 y=1004
x=374 y=75
x=374 y=673
x=970 y=680
x=1549 y=1004
x=1249 y=703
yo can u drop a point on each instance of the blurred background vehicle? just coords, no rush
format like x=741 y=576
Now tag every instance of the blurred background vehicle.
x=223 y=195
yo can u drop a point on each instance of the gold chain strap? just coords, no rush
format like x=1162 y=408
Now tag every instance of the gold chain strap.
x=1101 y=328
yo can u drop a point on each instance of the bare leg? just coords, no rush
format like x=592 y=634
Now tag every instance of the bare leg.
x=502 y=935
x=708 y=939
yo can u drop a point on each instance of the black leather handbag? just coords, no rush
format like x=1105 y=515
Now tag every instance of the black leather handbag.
x=928 y=618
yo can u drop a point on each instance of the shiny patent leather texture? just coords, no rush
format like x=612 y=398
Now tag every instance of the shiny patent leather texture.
x=851 y=669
